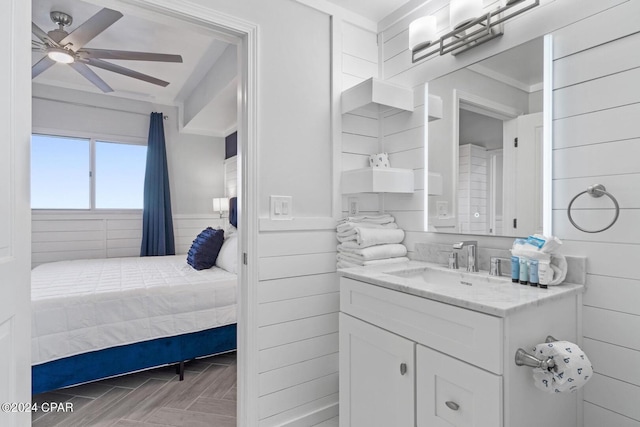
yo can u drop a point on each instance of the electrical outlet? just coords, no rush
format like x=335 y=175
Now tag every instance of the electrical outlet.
x=281 y=207
x=354 y=206
x=442 y=208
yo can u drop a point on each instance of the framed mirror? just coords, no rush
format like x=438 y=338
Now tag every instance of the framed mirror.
x=493 y=145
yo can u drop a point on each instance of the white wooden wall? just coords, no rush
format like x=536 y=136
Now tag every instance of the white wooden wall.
x=597 y=140
x=472 y=189
x=298 y=327
x=360 y=132
x=68 y=236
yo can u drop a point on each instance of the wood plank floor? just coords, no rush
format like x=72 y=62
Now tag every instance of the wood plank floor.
x=206 y=397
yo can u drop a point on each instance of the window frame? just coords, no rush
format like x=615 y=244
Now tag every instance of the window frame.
x=92 y=138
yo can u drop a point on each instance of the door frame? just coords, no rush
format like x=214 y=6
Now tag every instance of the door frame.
x=248 y=66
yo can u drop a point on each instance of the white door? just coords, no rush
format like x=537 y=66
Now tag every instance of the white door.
x=523 y=175
x=15 y=213
x=377 y=372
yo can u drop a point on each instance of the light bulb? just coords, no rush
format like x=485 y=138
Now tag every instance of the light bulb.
x=60 y=55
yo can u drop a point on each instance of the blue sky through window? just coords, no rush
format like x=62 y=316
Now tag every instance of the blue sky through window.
x=120 y=175
x=59 y=173
x=60 y=176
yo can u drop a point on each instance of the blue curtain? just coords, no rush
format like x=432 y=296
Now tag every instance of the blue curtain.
x=157 y=223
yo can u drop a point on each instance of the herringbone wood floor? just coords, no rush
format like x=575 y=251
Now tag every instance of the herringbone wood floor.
x=206 y=397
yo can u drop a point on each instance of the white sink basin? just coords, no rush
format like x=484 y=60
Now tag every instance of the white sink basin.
x=444 y=276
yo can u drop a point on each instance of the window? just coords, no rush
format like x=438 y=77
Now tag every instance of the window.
x=81 y=173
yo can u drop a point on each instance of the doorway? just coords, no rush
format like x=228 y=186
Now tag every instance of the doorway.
x=246 y=36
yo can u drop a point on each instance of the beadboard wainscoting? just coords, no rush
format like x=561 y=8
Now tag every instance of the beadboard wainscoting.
x=596 y=106
x=69 y=236
x=298 y=304
x=360 y=130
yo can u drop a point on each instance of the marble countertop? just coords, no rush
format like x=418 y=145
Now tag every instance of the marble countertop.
x=496 y=296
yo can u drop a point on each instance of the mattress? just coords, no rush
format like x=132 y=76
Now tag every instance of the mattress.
x=84 y=305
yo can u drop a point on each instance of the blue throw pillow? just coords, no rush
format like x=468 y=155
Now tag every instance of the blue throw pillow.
x=204 y=249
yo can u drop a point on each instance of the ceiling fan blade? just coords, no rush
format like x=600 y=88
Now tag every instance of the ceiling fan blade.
x=91 y=28
x=91 y=76
x=37 y=31
x=41 y=66
x=129 y=55
x=126 y=72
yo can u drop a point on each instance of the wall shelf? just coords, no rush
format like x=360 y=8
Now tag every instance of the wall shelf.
x=377 y=180
x=377 y=96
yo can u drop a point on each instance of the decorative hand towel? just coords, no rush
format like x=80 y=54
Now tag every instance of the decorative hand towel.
x=365 y=237
x=374 y=252
x=380 y=160
x=572 y=371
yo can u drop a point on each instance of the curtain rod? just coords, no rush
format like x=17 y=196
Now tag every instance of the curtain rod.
x=81 y=104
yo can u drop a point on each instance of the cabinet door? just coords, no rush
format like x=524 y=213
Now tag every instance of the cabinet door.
x=377 y=374
x=453 y=393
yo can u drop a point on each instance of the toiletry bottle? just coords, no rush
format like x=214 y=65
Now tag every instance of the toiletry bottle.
x=544 y=275
x=524 y=271
x=515 y=269
x=533 y=272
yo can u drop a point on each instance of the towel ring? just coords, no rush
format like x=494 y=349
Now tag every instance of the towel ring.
x=597 y=190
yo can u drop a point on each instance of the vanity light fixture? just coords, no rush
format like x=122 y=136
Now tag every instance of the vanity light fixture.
x=470 y=27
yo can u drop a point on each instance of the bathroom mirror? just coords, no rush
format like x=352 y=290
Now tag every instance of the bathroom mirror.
x=489 y=146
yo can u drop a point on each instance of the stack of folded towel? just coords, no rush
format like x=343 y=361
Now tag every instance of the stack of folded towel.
x=370 y=240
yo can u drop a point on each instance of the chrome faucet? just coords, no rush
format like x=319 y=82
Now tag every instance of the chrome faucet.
x=472 y=247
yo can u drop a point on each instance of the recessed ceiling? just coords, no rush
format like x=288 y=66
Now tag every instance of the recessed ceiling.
x=134 y=33
x=374 y=10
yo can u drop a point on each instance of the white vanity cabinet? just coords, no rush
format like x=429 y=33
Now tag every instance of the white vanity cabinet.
x=406 y=360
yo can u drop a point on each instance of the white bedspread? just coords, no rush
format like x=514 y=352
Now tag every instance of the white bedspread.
x=85 y=305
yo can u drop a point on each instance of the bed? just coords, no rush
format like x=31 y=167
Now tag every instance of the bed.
x=97 y=318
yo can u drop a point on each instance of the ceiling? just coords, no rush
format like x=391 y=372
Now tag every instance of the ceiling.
x=138 y=31
x=374 y=10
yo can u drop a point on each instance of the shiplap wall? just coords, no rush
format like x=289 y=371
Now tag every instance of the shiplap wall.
x=63 y=236
x=297 y=327
x=360 y=131
x=472 y=189
x=596 y=139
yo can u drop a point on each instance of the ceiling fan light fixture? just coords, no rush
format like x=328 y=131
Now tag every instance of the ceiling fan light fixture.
x=60 y=55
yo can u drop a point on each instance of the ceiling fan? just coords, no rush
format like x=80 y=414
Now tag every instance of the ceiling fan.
x=68 y=48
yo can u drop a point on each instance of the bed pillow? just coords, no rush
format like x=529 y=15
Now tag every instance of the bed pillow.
x=204 y=249
x=228 y=256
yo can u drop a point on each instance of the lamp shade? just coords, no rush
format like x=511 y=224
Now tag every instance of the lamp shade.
x=422 y=32
x=220 y=204
x=462 y=12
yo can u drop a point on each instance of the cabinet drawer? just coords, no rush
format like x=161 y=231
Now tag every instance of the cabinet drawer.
x=468 y=335
x=453 y=393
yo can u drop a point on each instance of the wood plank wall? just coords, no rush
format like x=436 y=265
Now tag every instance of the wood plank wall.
x=596 y=140
x=359 y=130
x=297 y=327
x=68 y=236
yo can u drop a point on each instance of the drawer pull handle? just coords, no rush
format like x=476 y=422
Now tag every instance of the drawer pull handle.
x=452 y=405
x=403 y=368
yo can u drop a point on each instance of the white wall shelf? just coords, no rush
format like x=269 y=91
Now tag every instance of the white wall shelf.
x=377 y=180
x=379 y=96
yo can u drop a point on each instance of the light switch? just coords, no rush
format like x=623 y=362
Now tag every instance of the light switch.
x=281 y=207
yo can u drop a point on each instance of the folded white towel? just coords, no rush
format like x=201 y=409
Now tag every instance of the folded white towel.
x=342 y=263
x=374 y=252
x=365 y=237
x=376 y=219
x=347 y=227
